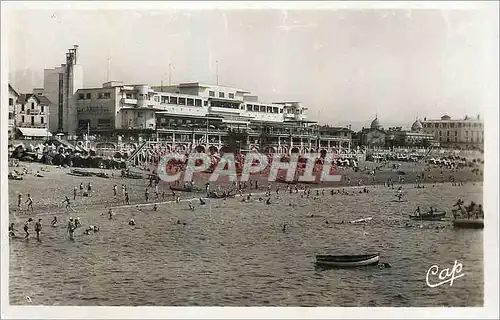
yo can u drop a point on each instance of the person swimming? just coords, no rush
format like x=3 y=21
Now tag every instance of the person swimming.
x=202 y=202
x=284 y=228
x=131 y=222
x=268 y=201
x=191 y=207
x=54 y=222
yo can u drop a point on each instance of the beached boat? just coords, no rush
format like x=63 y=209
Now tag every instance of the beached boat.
x=184 y=189
x=469 y=224
x=295 y=181
x=78 y=172
x=438 y=216
x=357 y=260
x=214 y=195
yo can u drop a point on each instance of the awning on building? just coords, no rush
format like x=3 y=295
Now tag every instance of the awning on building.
x=35 y=132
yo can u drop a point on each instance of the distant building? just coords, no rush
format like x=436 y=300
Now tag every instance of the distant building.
x=373 y=136
x=397 y=137
x=13 y=106
x=59 y=85
x=32 y=116
x=191 y=114
x=467 y=132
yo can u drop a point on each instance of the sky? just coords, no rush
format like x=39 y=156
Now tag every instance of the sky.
x=346 y=66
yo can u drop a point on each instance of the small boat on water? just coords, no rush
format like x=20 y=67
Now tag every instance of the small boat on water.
x=363 y=220
x=468 y=224
x=340 y=261
x=437 y=216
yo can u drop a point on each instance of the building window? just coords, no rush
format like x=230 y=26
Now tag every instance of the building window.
x=190 y=102
x=11 y=102
x=139 y=114
x=42 y=108
x=182 y=101
x=89 y=96
x=211 y=93
x=22 y=107
x=197 y=102
x=262 y=108
x=173 y=100
x=22 y=119
x=205 y=103
x=436 y=125
x=81 y=96
x=107 y=95
x=32 y=106
x=255 y=107
x=440 y=133
x=466 y=133
x=164 y=99
x=42 y=120
x=99 y=96
x=456 y=133
x=32 y=120
x=11 y=115
x=221 y=94
x=452 y=125
x=249 y=107
x=281 y=110
x=231 y=96
x=447 y=133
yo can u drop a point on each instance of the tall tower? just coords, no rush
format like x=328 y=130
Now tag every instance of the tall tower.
x=59 y=86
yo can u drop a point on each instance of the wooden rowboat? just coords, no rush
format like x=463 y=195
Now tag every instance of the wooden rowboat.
x=341 y=261
x=468 y=224
x=429 y=217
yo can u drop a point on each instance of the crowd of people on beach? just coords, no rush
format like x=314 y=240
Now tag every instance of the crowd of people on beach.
x=236 y=188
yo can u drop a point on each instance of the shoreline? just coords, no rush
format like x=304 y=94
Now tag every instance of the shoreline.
x=203 y=196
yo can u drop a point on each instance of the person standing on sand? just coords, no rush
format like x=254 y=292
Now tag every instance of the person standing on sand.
x=115 y=191
x=146 y=194
x=19 y=201
x=74 y=193
x=68 y=203
x=29 y=203
x=127 y=200
x=123 y=190
x=71 y=229
x=12 y=230
x=81 y=188
x=38 y=229
x=89 y=188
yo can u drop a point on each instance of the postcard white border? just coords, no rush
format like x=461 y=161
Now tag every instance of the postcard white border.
x=490 y=309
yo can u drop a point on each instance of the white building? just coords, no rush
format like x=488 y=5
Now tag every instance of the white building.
x=59 y=85
x=447 y=131
x=117 y=106
x=32 y=117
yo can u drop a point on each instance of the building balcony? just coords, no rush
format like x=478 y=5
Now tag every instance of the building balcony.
x=33 y=112
x=129 y=101
x=39 y=125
